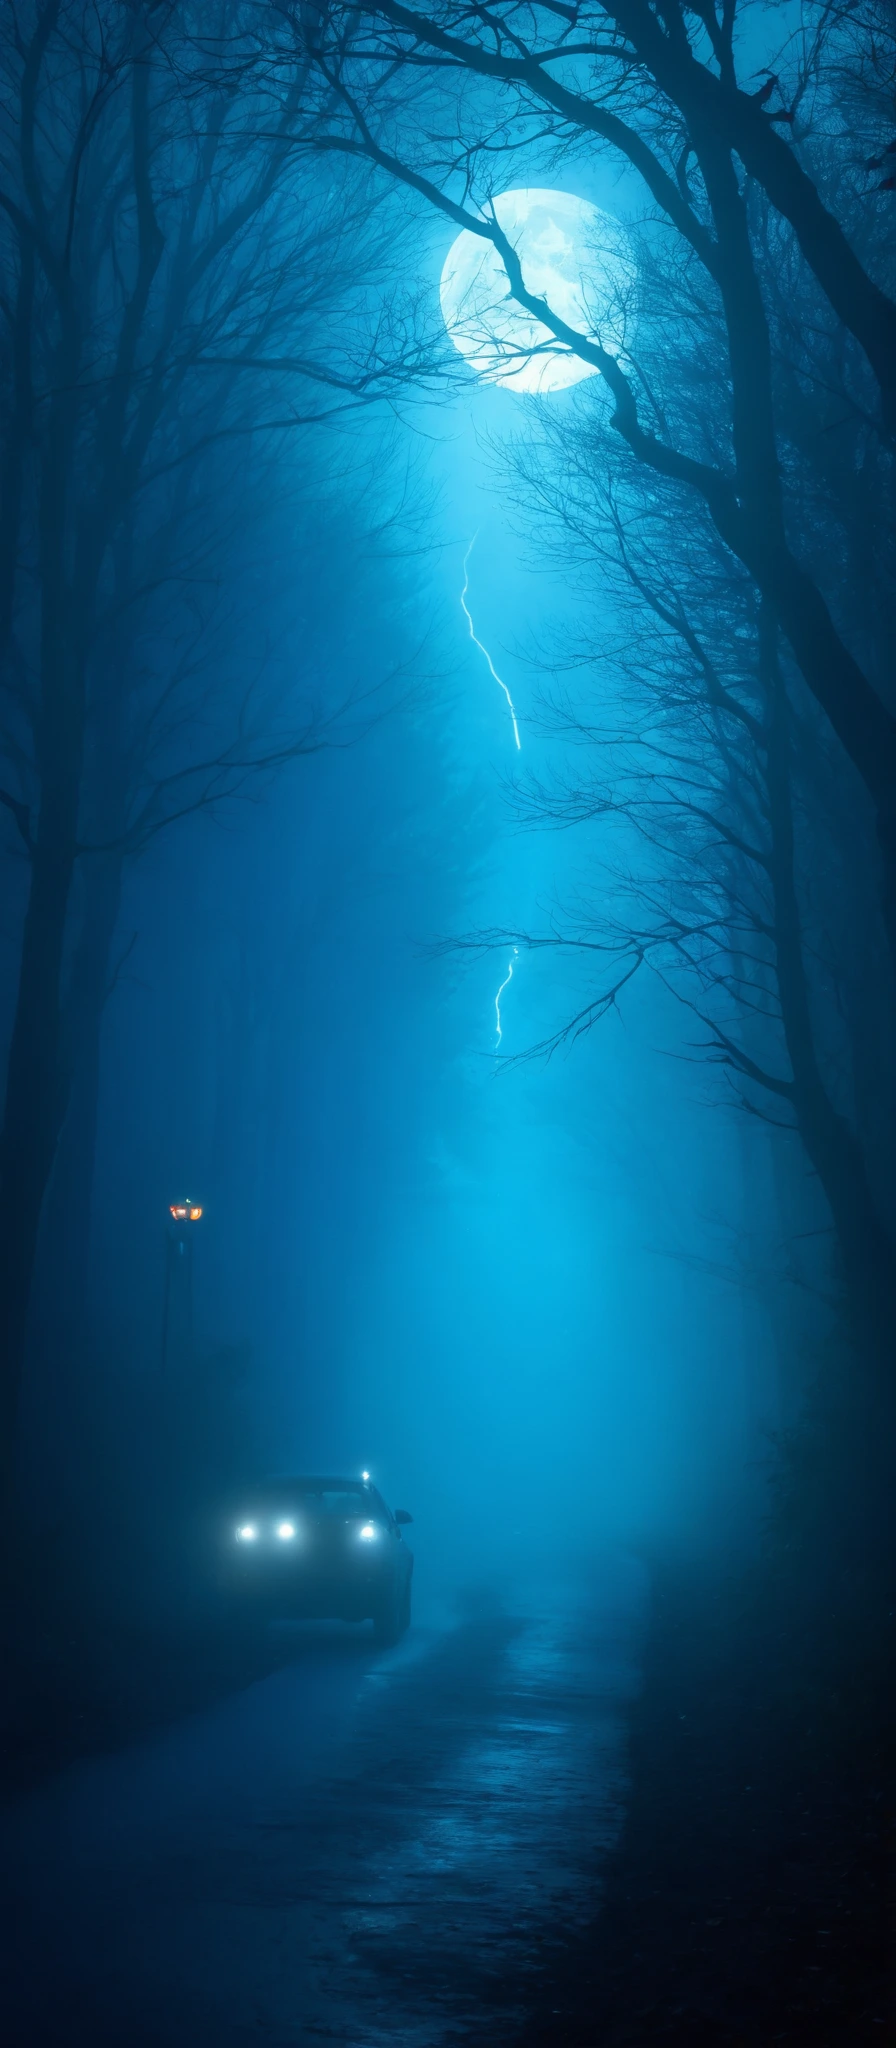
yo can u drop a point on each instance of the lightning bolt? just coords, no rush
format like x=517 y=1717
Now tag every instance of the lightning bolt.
x=484 y=650
x=505 y=984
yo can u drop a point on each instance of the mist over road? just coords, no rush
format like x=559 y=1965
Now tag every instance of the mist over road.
x=360 y=1848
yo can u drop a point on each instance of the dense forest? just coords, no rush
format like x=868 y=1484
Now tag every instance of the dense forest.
x=364 y=653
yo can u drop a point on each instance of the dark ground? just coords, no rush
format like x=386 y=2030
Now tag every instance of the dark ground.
x=67 y=1698
x=450 y=1811
x=751 y=1899
x=357 y=1847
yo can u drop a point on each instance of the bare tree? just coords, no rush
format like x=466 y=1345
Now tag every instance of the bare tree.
x=176 y=295
x=737 y=858
x=752 y=407
x=659 y=91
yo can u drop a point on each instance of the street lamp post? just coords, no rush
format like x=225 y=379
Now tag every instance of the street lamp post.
x=183 y=1216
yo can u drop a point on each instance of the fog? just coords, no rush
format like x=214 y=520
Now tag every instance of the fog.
x=446 y=993
x=508 y=1285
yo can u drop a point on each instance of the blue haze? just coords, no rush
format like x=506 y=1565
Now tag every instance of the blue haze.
x=504 y=1287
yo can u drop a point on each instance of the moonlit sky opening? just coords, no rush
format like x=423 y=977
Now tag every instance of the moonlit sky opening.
x=573 y=254
x=447 y=1000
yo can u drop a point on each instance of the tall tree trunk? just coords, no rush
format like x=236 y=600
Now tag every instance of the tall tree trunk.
x=17 y=436
x=867 y=1251
x=35 y=1090
x=66 y=1231
x=34 y=1105
x=756 y=529
x=715 y=104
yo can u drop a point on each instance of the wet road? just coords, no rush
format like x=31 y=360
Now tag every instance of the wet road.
x=363 y=1848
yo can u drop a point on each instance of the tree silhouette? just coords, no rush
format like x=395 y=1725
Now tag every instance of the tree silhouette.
x=177 y=304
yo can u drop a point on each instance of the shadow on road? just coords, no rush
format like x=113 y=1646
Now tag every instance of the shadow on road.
x=357 y=1848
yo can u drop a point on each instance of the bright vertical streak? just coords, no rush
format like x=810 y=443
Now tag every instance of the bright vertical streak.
x=505 y=984
x=478 y=643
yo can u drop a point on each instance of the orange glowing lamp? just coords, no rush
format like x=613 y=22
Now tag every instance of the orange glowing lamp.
x=186 y=1212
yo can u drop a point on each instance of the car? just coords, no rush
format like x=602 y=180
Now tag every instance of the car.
x=323 y=1549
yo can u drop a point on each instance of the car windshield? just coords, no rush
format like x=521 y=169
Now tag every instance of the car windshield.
x=337 y=1500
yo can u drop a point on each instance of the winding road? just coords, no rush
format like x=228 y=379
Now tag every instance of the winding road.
x=361 y=1848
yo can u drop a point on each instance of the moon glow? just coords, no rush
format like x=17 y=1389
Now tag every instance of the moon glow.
x=572 y=254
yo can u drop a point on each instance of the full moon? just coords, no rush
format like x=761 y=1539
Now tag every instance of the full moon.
x=573 y=255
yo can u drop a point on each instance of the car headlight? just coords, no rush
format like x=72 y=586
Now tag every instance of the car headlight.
x=369 y=1532
x=247 y=1533
x=285 y=1530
